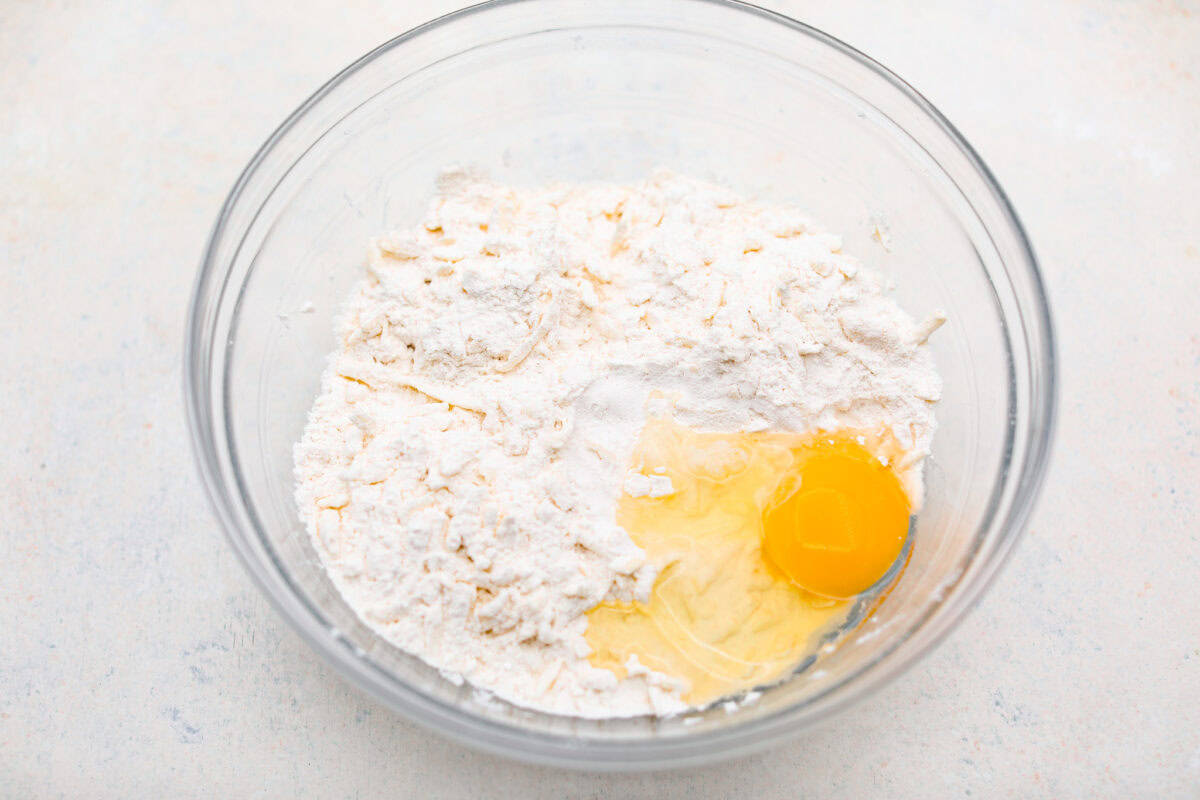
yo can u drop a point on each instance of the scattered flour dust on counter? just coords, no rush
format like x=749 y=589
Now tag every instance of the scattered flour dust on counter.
x=461 y=468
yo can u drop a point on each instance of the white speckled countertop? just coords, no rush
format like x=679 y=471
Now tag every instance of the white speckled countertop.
x=137 y=660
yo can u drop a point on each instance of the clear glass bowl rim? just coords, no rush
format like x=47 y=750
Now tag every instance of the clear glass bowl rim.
x=608 y=754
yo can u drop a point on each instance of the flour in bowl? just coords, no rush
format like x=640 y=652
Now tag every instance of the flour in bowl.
x=461 y=467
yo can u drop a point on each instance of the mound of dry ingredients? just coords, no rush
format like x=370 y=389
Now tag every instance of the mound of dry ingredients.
x=461 y=467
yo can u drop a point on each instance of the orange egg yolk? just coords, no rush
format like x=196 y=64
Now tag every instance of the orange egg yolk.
x=837 y=523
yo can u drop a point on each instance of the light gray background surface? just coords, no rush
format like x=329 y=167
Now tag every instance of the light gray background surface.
x=137 y=660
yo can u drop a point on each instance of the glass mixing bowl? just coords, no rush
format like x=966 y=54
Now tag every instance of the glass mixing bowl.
x=564 y=90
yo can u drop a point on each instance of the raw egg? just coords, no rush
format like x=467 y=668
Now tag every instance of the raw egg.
x=760 y=543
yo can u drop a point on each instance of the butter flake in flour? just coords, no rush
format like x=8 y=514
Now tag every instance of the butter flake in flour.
x=460 y=468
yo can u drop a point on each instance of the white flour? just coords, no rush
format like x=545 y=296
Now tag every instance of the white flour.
x=460 y=468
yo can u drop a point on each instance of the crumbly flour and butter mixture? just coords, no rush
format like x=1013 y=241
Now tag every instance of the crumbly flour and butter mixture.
x=538 y=392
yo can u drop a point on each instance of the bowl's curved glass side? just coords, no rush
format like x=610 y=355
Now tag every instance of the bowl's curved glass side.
x=536 y=91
